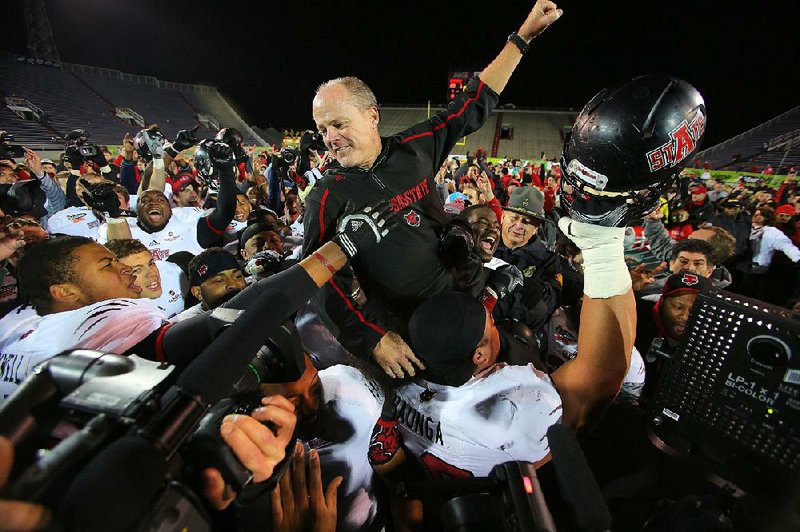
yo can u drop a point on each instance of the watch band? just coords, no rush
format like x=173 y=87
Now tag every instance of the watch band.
x=519 y=42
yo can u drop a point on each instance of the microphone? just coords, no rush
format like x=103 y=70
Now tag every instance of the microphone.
x=576 y=483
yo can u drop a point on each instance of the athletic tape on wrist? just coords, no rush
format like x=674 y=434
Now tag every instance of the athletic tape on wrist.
x=324 y=262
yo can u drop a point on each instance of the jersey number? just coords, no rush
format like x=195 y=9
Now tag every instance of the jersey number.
x=439 y=468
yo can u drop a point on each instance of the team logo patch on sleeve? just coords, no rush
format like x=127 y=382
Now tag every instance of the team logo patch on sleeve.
x=385 y=441
x=412 y=218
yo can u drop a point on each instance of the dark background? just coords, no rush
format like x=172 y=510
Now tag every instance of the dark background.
x=268 y=57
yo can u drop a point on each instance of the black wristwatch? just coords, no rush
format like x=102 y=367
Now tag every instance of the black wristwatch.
x=519 y=42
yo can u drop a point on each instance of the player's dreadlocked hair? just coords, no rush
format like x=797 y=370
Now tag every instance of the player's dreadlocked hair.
x=45 y=264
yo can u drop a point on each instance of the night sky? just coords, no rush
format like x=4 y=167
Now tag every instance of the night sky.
x=268 y=57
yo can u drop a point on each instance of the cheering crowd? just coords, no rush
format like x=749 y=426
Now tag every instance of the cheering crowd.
x=449 y=311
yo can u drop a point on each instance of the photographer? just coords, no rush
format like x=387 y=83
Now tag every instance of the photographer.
x=258 y=447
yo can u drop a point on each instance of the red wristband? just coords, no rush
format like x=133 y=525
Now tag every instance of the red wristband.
x=324 y=262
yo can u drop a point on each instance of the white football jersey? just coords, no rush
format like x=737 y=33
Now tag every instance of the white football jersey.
x=180 y=234
x=464 y=431
x=562 y=345
x=75 y=221
x=112 y=326
x=351 y=405
x=174 y=287
x=234 y=227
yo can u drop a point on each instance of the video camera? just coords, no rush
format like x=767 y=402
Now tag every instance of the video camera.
x=140 y=434
x=728 y=400
x=9 y=151
x=78 y=139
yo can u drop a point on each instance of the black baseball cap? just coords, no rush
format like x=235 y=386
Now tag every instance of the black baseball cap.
x=447 y=327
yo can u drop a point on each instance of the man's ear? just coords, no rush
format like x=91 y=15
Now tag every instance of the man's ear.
x=68 y=293
x=478 y=358
x=375 y=115
x=196 y=293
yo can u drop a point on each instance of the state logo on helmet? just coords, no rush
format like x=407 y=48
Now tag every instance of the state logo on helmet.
x=628 y=146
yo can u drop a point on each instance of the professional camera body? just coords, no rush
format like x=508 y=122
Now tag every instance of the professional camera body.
x=9 y=151
x=134 y=411
x=78 y=139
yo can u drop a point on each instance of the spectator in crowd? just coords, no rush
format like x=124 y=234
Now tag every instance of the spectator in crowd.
x=399 y=169
x=768 y=279
x=662 y=245
x=717 y=193
x=162 y=281
x=186 y=191
x=679 y=227
x=259 y=237
x=692 y=254
x=737 y=222
x=700 y=208
x=521 y=246
x=667 y=317
x=787 y=221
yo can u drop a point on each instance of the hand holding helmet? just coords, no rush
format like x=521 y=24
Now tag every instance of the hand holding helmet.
x=233 y=138
x=605 y=273
x=627 y=147
x=150 y=143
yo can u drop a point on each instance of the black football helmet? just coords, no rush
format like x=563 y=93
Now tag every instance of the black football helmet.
x=627 y=147
x=204 y=165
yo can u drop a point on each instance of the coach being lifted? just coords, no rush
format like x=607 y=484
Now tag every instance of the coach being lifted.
x=398 y=169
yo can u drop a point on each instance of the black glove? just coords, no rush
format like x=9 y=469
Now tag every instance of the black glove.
x=103 y=197
x=456 y=243
x=264 y=261
x=98 y=158
x=359 y=230
x=221 y=155
x=185 y=139
x=505 y=280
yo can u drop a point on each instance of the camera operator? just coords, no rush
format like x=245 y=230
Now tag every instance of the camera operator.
x=257 y=446
x=399 y=169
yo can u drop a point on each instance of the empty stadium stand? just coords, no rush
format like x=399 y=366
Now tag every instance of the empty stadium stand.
x=77 y=96
x=533 y=131
x=775 y=142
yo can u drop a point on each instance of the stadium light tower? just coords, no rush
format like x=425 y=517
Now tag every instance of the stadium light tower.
x=41 y=43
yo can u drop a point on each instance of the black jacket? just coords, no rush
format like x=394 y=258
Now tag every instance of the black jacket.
x=542 y=272
x=405 y=268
